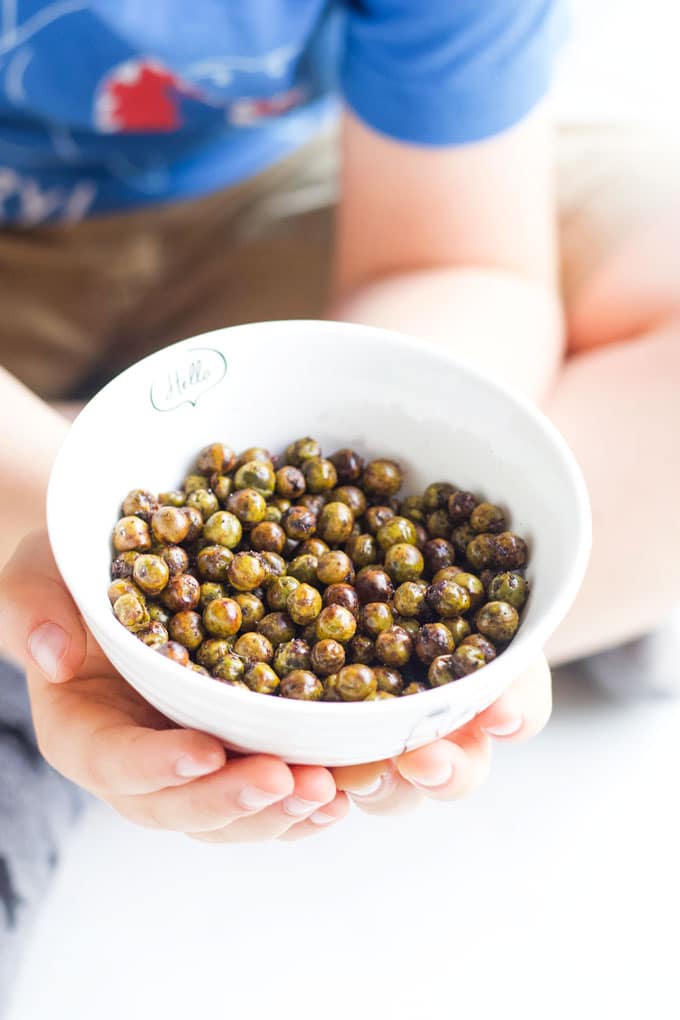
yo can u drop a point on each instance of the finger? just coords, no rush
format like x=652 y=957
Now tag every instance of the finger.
x=314 y=788
x=243 y=787
x=524 y=709
x=448 y=769
x=39 y=621
x=378 y=788
x=320 y=820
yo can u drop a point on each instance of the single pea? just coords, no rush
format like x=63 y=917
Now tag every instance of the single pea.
x=510 y=551
x=290 y=482
x=174 y=651
x=140 y=503
x=376 y=516
x=248 y=505
x=448 y=598
x=468 y=659
x=409 y=598
x=123 y=565
x=320 y=475
x=159 y=613
x=299 y=523
x=272 y=514
x=301 y=685
x=304 y=568
x=362 y=649
x=314 y=501
x=415 y=687
x=205 y=501
x=301 y=450
x=335 y=523
x=438 y=553
x=274 y=565
x=487 y=518
x=176 y=558
x=409 y=624
x=413 y=507
x=404 y=562
x=337 y=623
x=132 y=533
x=254 y=647
x=396 y=530
x=437 y=495
x=313 y=547
x=486 y=647
x=461 y=535
x=254 y=453
x=278 y=591
x=290 y=655
x=375 y=617
x=181 y=592
x=481 y=551
x=213 y=650
x=327 y=657
x=123 y=586
x=213 y=563
x=335 y=567
x=170 y=524
x=258 y=475
x=222 y=486
x=394 y=646
x=260 y=677
x=223 y=528
x=278 y=628
x=460 y=506
x=374 y=585
x=151 y=574
x=362 y=549
x=446 y=574
x=252 y=610
x=498 y=621
x=382 y=478
x=330 y=688
x=352 y=497
x=229 y=669
x=186 y=628
x=458 y=626
x=268 y=537
x=442 y=671
x=433 y=639
x=356 y=529
x=348 y=465
x=246 y=571
x=173 y=497
x=509 y=587
x=356 y=682
x=222 y=617
x=389 y=681
x=304 y=604
x=194 y=482
x=473 y=586
x=342 y=595
x=195 y=520
x=216 y=457
x=131 y=611
x=154 y=634
x=438 y=524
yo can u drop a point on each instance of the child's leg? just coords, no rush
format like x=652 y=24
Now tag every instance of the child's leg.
x=36 y=808
x=618 y=399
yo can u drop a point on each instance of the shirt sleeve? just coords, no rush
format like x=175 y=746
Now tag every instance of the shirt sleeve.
x=447 y=72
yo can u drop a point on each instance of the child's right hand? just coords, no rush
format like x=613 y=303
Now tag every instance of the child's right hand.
x=96 y=730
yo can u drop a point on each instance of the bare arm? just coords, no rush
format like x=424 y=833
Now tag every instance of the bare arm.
x=456 y=245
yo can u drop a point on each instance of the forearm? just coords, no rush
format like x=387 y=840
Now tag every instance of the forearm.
x=496 y=321
x=31 y=435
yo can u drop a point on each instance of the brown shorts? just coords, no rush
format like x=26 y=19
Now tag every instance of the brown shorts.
x=79 y=302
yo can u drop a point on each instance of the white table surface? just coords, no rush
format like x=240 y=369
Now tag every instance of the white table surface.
x=552 y=893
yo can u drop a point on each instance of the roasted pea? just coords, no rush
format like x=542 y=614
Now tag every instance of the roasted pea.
x=268 y=537
x=205 y=501
x=352 y=497
x=304 y=604
x=375 y=617
x=260 y=677
x=123 y=586
x=337 y=623
x=123 y=565
x=246 y=571
x=229 y=669
x=361 y=549
x=382 y=478
x=409 y=624
x=151 y=574
x=389 y=681
x=170 y=525
x=510 y=552
x=394 y=646
x=222 y=617
x=334 y=567
x=356 y=682
x=438 y=553
x=509 y=587
x=304 y=568
x=438 y=524
x=342 y=595
x=212 y=651
x=314 y=501
x=313 y=547
x=140 y=503
x=173 y=497
x=461 y=535
x=473 y=586
x=327 y=657
x=278 y=591
x=195 y=520
x=154 y=634
x=446 y=574
x=415 y=687
x=278 y=628
x=413 y=507
x=181 y=592
x=213 y=563
x=186 y=627
x=362 y=649
x=487 y=518
x=404 y=562
x=159 y=613
x=295 y=654
x=497 y=621
x=252 y=610
x=460 y=506
x=458 y=626
x=481 y=551
x=396 y=530
x=374 y=585
x=348 y=465
x=131 y=611
x=223 y=528
x=274 y=566
x=468 y=659
x=174 y=651
x=302 y=450
x=290 y=482
x=335 y=523
x=222 y=486
x=433 y=639
x=376 y=516
x=437 y=495
x=194 y=482
x=409 y=598
x=302 y=685
x=248 y=505
x=132 y=533
x=216 y=458
x=258 y=475
x=448 y=598
x=299 y=523
x=254 y=453
x=175 y=557
x=486 y=647
x=254 y=647
x=320 y=475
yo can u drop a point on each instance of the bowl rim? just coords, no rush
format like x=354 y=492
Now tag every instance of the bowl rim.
x=529 y=640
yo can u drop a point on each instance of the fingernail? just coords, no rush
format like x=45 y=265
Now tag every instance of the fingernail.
x=505 y=729
x=378 y=787
x=320 y=818
x=298 y=808
x=47 y=646
x=187 y=767
x=439 y=777
x=253 y=799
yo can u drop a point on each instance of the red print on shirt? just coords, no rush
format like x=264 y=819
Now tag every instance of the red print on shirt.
x=141 y=96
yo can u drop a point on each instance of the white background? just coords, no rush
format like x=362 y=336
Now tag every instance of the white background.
x=553 y=893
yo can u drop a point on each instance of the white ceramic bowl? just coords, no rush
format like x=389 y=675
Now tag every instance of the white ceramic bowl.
x=381 y=392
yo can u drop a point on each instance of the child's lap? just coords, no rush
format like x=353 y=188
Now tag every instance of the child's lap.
x=82 y=301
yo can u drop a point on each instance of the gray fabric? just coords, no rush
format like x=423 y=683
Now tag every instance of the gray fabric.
x=646 y=668
x=37 y=807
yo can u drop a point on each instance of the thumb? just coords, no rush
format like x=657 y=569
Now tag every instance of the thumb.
x=39 y=622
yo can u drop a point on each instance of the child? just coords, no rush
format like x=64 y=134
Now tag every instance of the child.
x=166 y=172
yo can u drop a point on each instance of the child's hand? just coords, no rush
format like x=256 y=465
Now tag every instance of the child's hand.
x=453 y=767
x=99 y=732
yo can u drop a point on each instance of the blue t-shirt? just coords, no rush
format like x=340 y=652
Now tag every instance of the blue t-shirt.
x=111 y=104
